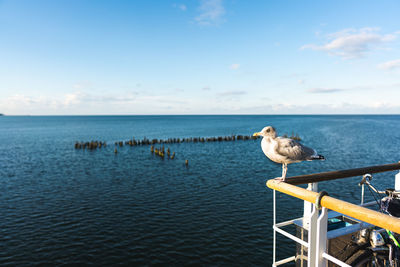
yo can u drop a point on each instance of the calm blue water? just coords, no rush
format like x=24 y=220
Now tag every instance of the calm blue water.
x=61 y=206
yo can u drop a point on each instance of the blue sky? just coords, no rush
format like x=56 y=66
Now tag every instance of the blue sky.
x=199 y=57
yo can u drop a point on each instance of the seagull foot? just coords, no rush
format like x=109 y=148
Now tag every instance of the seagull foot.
x=280 y=179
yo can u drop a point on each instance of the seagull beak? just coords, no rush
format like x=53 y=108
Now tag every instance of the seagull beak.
x=257 y=134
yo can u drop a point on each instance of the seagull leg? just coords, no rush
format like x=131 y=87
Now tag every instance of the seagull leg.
x=284 y=170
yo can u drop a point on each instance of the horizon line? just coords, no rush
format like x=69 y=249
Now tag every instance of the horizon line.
x=255 y=114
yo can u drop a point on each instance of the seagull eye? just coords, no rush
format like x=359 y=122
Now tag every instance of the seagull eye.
x=268 y=130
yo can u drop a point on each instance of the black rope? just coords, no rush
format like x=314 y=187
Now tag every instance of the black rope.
x=376 y=200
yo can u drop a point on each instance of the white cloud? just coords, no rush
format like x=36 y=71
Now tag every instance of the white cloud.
x=353 y=43
x=83 y=85
x=76 y=98
x=23 y=104
x=330 y=100
x=180 y=6
x=206 y=88
x=232 y=93
x=22 y=99
x=324 y=90
x=234 y=66
x=301 y=81
x=211 y=12
x=225 y=103
x=390 y=65
x=73 y=98
x=341 y=108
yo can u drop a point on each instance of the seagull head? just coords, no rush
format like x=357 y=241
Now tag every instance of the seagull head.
x=268 y=131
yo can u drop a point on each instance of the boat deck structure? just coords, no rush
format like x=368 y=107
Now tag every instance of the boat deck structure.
x=315 y=237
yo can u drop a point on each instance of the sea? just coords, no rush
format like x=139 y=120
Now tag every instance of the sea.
x=65 y=206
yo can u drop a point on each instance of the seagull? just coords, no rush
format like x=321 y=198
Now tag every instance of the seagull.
x=285 y=150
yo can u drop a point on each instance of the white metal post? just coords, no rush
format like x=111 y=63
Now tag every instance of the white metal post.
x=308 y=207
x=322 y=228
x=397 y=182
x=274 y=233
x=362 y=194
x=312 y=238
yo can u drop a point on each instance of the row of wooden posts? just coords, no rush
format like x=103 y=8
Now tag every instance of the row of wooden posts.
x=146 y=141
x=133 y=142
x=90 y=145
x=161 y=150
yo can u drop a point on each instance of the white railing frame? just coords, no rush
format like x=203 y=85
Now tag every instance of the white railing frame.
x=317 y=235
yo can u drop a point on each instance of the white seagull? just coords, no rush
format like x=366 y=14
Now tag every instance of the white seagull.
x=285 y=150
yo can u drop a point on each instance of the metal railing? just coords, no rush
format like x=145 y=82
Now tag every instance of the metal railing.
x=317 y=221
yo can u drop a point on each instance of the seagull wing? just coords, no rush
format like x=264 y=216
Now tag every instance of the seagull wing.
x=293 y=151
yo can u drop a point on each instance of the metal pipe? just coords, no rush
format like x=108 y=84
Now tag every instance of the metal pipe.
x=274 y=225
x=334 y=260
x=293 y=258
x=326 y=176
x=362 y=195
x=282 y=224
x=290 y=236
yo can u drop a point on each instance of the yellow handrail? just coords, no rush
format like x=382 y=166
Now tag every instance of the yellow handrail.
x=357 y=212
